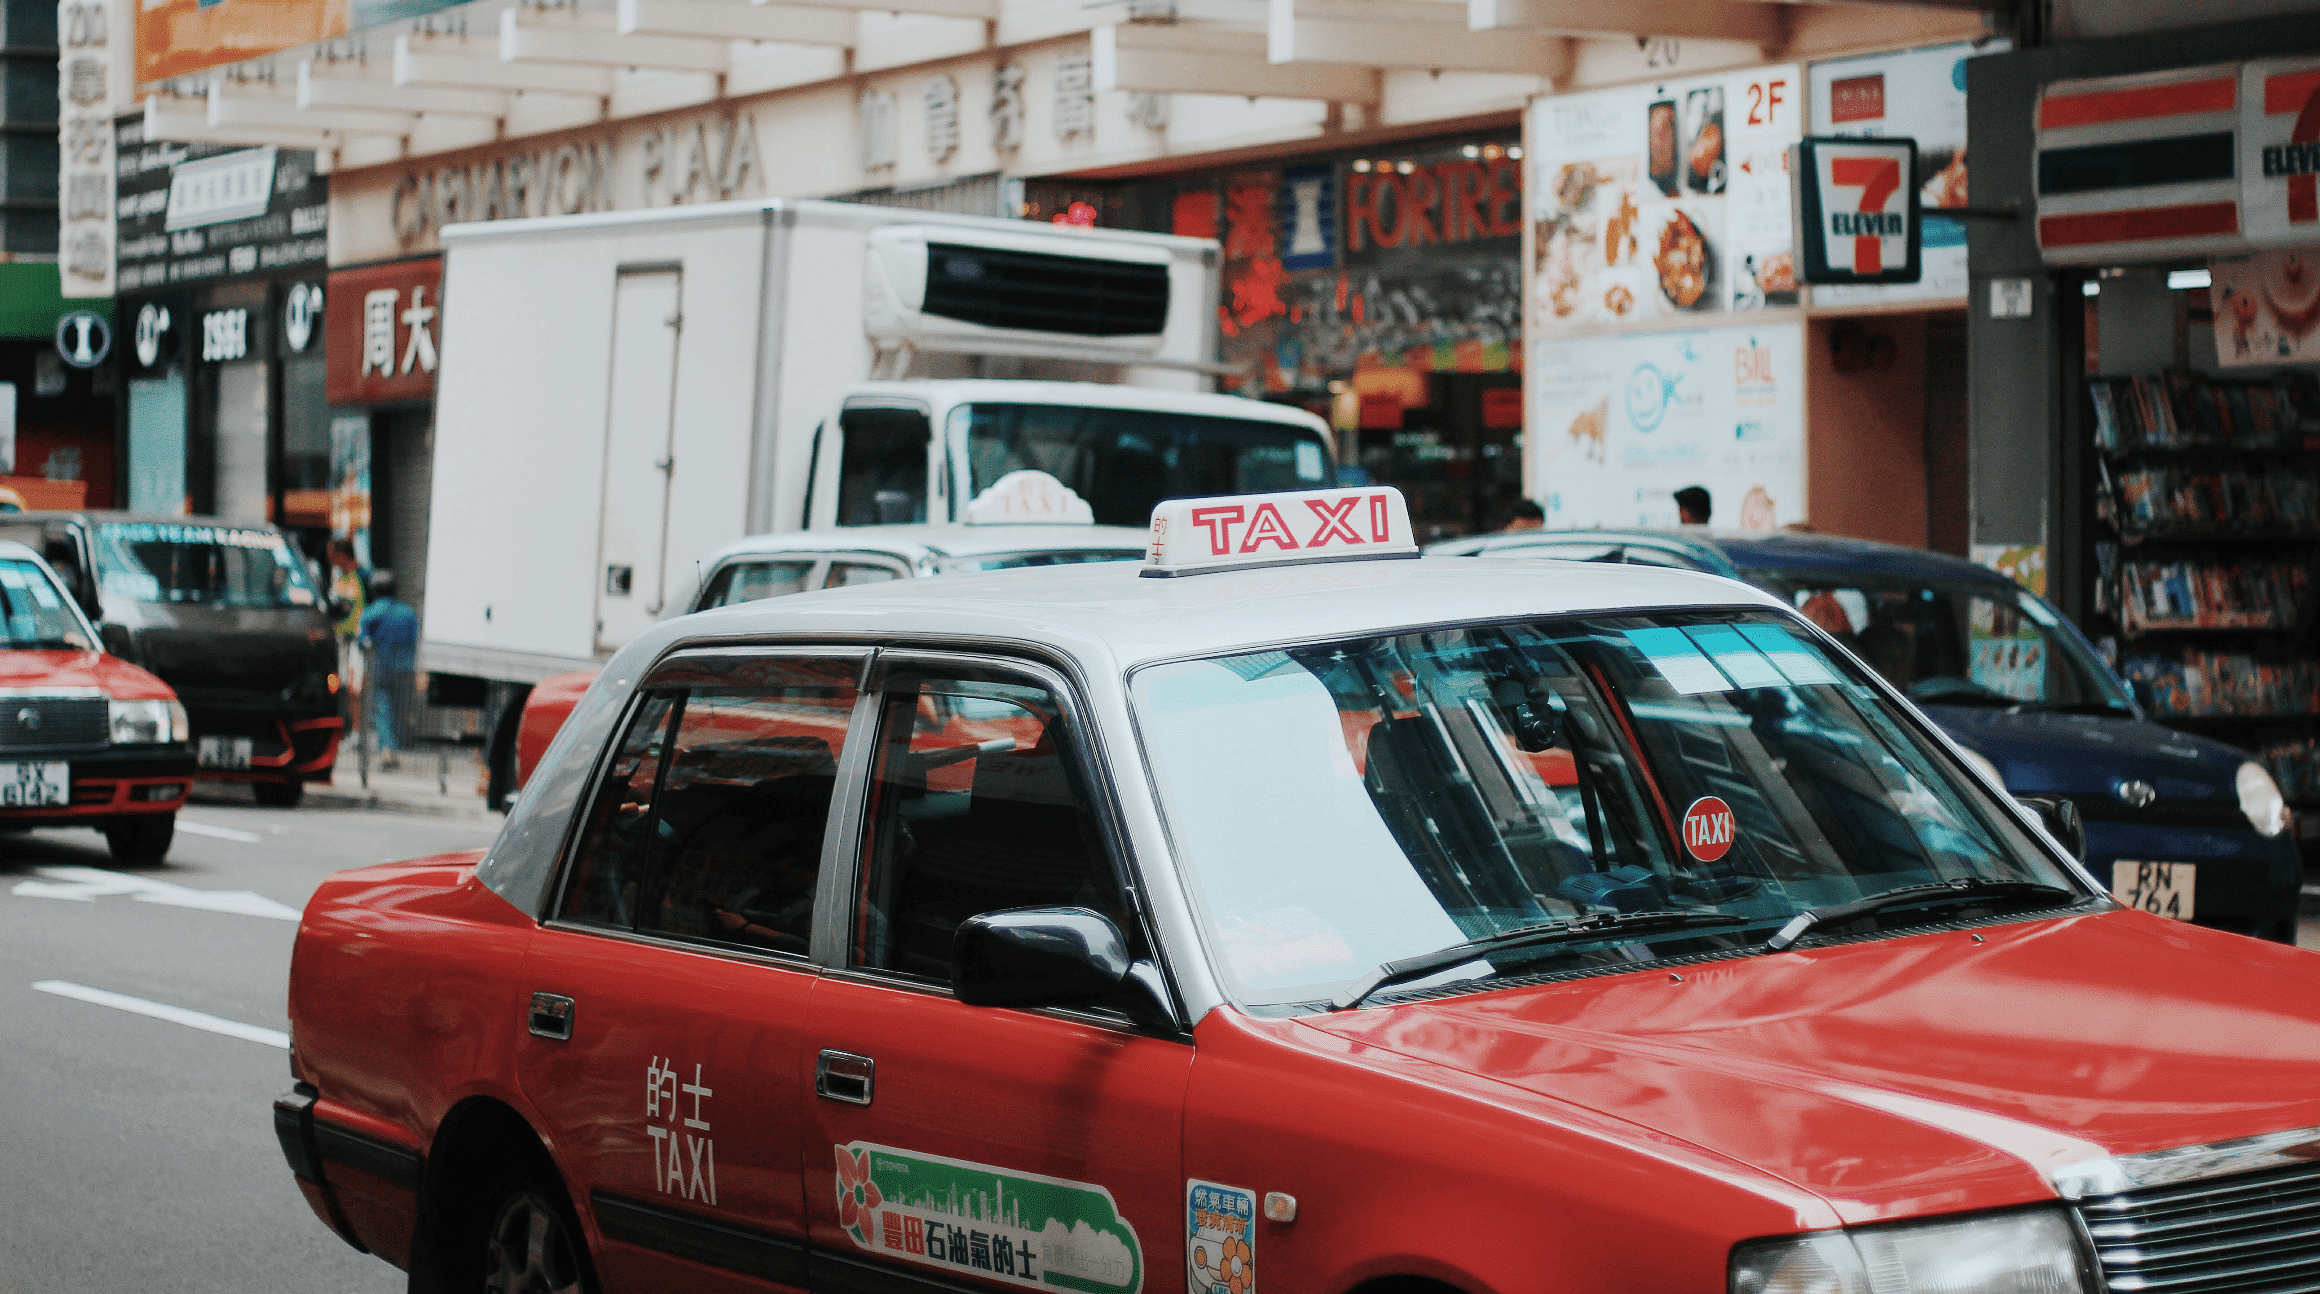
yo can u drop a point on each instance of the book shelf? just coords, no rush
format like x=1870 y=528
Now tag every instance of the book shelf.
x=2208 y=516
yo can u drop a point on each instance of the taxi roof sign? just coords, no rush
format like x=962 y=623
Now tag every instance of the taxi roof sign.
x=1242 y=531
x=1026 y=496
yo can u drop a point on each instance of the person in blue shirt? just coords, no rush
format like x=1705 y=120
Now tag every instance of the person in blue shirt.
x=390 y=634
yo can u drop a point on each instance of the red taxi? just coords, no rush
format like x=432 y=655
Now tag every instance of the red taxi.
x=86 y=739
x=1283 y=914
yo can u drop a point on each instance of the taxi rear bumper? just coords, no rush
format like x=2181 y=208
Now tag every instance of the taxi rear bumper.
x=363 y=1189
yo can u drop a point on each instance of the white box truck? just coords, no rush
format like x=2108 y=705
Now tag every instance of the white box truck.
x=623 y=393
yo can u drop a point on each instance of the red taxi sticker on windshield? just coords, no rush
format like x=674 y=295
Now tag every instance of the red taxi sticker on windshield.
x=1708 y=828
x=1236 y=532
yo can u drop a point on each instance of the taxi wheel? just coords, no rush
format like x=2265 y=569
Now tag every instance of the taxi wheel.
x=141 y=841
x=533 y=1247
x=278 y=795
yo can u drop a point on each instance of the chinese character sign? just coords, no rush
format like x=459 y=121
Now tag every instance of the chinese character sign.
x=384 y=324
x=90 y=46
x=974 y=1219
x=1220 y=1238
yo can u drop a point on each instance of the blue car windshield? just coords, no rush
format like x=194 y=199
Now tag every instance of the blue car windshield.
x=1341 y=806
x=1961 y=642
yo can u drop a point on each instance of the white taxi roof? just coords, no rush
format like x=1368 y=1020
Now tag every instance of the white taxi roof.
x=1109 y=616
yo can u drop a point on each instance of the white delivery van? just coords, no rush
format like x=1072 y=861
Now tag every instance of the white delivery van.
x=623 y=393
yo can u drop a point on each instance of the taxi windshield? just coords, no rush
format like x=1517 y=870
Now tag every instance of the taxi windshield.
x=1956 y=642
x=227 y=566
x=37 y=612
x=1347 y=805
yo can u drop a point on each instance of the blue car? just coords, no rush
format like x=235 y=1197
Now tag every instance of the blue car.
x=2178 y=825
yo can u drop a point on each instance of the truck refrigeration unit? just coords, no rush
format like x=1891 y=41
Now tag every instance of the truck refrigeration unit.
x=623 y=393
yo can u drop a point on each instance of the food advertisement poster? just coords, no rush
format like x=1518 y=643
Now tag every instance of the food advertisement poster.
x=1621 y=422
x=2267 y=307
x=1918 y=94
x=175 y=37
x=1664 y=201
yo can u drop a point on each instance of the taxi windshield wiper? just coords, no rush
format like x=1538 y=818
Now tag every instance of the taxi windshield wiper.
x=1964 y=888
x=1571 y=931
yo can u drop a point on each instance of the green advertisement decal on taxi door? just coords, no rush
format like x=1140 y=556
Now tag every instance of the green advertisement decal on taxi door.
x=975 y=1219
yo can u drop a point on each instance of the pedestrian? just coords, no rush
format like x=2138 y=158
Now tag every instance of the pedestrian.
x=1525 y=515
x=346 y=608
x=390 y=635
x=1693 y=507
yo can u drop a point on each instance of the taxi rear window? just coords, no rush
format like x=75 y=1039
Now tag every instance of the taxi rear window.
x=1338 y=807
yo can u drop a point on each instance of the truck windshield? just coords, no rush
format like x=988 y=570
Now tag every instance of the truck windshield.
x=1122 y=461
x=1956 y=643
x=1342 y=806
x=227 y=566
x=38 y=612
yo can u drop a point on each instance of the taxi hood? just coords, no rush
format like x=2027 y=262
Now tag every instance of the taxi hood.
x=32 y=671
x=1925 y=1073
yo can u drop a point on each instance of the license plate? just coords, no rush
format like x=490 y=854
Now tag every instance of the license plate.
x=225 y=752
x=33 y=786
x=2163 y=889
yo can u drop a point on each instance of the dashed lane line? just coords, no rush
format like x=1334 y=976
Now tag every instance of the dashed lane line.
x=163 y=1011
x=218 y=833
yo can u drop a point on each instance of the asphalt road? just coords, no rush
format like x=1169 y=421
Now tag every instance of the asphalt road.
x=138 y=1153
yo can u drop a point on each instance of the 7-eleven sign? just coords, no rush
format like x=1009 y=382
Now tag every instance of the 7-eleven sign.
x=1856 y=210
x=2279 y=142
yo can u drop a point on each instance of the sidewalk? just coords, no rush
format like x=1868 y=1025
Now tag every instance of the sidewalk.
x=441 y=781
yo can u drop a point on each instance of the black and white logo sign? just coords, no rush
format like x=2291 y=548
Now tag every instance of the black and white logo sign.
x=300 y=313
x=83 y=338
x=1856 y=210
x=225 y=335
x=152 y=326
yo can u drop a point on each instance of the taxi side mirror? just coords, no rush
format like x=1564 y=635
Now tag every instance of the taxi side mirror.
x=2060 y=818
x=1053 y=957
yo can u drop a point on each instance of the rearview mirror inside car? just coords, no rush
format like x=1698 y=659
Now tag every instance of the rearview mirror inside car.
x=1053 y=957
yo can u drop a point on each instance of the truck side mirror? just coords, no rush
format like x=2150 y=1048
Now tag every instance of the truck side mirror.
x=2060 y=818
x=1053 y=957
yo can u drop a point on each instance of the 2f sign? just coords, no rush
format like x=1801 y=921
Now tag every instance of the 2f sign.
x=1857 y=210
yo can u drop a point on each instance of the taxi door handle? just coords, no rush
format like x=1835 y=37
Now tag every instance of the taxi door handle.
x=551 y=1016
x=844 y=1076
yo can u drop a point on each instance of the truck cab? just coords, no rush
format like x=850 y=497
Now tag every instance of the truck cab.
x=226 y=614
x=907 y=452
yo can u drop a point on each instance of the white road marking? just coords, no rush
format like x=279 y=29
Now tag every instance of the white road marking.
x=163 y=1011
x=218 y=833
x=88 y=884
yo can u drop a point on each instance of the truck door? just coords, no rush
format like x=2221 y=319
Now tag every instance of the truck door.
x=638 y=463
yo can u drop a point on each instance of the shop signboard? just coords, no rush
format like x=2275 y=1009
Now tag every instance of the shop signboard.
x=2279 y=163
x=1856 y=210
x=2139 y=168
x=92 y=70
x=383 y=323
x=175 y=37
x=192 y=212
x=1664 y=201
x=1620 y=422
x=1918 y=94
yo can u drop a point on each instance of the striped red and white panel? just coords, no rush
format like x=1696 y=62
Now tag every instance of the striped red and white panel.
x=2139 y=168
x=2280 y=151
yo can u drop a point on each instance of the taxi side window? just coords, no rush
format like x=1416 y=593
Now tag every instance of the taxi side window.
x=749 y=581
x=977 y=803
x=602 y=887
x=843 y=574
x=731 y=833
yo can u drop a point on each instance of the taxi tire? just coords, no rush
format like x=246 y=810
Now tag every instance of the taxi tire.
x=278 y=795
x=141 y=841
x=532 y=1242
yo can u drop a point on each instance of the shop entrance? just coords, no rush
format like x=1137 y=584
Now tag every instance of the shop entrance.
x=1457 y=457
